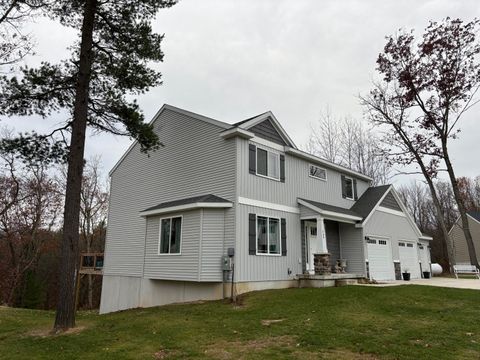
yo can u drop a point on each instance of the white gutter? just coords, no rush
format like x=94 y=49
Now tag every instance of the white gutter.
x=192 y=206
x=328 y=212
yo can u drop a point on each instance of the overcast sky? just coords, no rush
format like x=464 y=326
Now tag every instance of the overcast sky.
x=230 y=60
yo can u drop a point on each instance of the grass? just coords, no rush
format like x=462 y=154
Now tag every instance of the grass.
x=354 y=322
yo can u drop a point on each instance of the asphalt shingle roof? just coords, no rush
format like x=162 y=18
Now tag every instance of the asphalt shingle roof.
x=202 y=199
x=369 y=200
x=246 y=120
x=332 y=208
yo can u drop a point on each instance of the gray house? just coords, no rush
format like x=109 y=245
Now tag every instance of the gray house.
x=457 y=237
x=246 y=190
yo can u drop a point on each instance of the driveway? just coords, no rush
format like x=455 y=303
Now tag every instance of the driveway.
x=472 y=283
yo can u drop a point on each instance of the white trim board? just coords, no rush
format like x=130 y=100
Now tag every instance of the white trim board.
x=227 y=134
x=327 y=213
x=391 y=211
x=192 y=206
x=276 y=124
x=376 y=206
x=267 y=143
x=268 y=205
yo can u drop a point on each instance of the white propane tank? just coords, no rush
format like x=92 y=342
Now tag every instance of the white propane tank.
x=437 y=269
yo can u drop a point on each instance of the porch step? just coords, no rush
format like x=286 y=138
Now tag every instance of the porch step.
x=345 y=282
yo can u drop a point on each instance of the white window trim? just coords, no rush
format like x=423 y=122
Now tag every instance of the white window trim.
x=315 y=177
x=353 y=189
x=407 y=242
x=160 y=236
x=268 y=235
x=256 y=163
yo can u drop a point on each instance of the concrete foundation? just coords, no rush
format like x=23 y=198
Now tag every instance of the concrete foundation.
x=123 y=292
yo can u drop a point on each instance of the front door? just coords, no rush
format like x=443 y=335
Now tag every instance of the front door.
x=310 y=240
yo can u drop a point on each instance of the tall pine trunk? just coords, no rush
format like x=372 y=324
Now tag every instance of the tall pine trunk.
x=461 y=206
x=69 y=262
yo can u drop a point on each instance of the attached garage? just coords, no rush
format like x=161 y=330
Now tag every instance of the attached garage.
x=409 y=258
x=379 y=256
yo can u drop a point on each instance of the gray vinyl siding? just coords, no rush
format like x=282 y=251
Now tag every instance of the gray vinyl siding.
x=394 y=227
x=194 y=161
x=267 y=131
x=172 y=266
x=333 y=240
x=298 y=183
x=201 y=247
x=351 y=240
x=267 y=267
x=305 y=213
x=390 y=202
x=213 y=233
x=460 y=244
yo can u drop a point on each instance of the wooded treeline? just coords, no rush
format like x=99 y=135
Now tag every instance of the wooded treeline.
x=31 y=206
x=418 y=199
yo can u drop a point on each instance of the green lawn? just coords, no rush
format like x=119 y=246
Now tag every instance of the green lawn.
x=354 y=322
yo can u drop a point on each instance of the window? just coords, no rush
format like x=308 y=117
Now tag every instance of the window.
x=409 y=245
x=382 y=242
x=349 y=192
x=401 y=244
x=313 y=231
x=318 y=172
x=268 y=235
x=371 y=241
x=268 y=164
x=170 y=235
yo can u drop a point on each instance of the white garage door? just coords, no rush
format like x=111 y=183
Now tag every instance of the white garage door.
x=409 y=258
x=424 y=256
x=380 y=263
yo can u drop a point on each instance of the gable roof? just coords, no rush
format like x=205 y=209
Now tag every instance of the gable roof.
x=250 y=123
x=240 y=129
x=369 y=200
x=202 y=201
x=372 y=199
x=330 y=208
x=246 y=120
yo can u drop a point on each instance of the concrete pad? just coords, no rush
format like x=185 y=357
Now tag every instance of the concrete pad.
x=472 y=283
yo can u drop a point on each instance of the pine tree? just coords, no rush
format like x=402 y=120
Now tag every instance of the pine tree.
x=108 y=64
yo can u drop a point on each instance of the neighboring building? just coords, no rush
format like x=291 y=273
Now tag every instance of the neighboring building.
x=457 y=237
x=214 y=186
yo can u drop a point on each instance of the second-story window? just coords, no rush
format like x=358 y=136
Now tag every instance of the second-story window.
x=318 y=172
x=349 y=188
x=268 y=164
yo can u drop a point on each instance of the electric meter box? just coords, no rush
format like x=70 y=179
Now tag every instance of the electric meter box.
x=226 y=263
